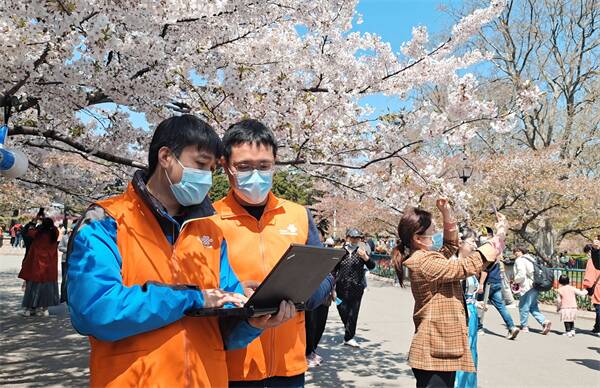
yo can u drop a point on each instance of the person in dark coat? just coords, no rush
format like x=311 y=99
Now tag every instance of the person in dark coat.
x=350 y=283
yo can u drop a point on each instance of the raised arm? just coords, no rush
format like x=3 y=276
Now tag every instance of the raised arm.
x=437 y=269
x=450 y=247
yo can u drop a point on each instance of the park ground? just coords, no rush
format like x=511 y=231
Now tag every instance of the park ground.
x=48 y=352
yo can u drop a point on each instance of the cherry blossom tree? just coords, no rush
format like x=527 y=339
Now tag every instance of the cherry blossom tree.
x=368 y=215
x=534 y=187
x=74 y=71
x=542 y=166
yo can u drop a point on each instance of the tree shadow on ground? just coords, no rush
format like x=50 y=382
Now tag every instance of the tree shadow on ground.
x=38 y=351
x=589 y=363
x=493 y=333
x=369 y=360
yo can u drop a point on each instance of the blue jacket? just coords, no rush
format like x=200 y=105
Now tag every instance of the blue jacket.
x=99 y=303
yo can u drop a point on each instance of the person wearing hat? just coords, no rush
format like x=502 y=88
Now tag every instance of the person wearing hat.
x=350 y=282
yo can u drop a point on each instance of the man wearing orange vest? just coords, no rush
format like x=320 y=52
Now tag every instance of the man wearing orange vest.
x=251 y=216
x=138 y=261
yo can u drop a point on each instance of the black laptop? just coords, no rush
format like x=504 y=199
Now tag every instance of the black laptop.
x=296 y=277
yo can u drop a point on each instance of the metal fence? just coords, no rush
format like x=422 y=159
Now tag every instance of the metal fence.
x=575 y=276
x=383 y=267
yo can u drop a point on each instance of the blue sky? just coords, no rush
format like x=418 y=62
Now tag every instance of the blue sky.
x=393 y=20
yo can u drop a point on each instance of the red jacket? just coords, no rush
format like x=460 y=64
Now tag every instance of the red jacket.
x=41 y=263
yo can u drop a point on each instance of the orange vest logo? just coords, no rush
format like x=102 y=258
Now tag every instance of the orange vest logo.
x=291 y=230
x=206 y=241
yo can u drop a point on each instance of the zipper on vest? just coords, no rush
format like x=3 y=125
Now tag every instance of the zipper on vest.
x=187 y=370
x=261 y=245
x=270 y=369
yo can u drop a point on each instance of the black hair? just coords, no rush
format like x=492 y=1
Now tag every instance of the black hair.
x=47 y=226
x=413 y=222
x=178 y=132
x=466 y=232
x=587 y=248
x=564 y=280
x=521 y=248
x=248 y=131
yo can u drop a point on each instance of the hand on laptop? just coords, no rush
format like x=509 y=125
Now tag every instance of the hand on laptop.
x=215 y=297
x=286 y=311
x=249 y=287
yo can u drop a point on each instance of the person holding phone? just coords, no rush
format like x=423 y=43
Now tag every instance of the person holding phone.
x=350 y=283
x=440 y=346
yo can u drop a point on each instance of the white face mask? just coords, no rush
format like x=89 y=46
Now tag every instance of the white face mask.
x=253 y=186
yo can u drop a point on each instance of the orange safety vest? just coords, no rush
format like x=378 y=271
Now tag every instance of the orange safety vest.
x=188 y=352
x=254 y=248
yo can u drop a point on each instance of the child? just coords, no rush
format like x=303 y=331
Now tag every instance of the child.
x=566 y=304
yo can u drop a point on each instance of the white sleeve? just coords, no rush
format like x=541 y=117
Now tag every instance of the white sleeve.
x=580 y=292
x=520 y=271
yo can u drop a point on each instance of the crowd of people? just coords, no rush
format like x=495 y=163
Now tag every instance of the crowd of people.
x=136 y=263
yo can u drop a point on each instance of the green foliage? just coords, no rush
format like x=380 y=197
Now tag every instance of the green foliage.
x=220 y=186
x=294 y=187
x=286 y=184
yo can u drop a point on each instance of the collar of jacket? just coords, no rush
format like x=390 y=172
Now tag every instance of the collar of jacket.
x=232 y=209
x=204 y=209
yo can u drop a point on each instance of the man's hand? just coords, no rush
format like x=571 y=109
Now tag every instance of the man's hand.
x=249 y=287
x=286 y=311
x=480 y=290
x=363 y=254
x=216 y=297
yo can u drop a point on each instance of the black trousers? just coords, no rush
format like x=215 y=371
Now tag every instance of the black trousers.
x=348 y=310
x=315 y=322
x=276 y=381
x=596 y=328
x=569 y=326
x=63 y=283
x=433 y=379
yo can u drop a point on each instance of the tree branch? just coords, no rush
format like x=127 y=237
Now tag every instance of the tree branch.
x=51 y=134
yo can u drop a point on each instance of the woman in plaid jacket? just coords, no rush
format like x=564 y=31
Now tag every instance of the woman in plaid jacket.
x=440 y=346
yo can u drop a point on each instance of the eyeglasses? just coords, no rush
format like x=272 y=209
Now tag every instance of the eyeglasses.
x=260 y=166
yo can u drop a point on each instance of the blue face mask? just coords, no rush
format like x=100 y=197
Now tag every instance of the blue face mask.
x=193 y=187
x=437 y=241
x=253 y=186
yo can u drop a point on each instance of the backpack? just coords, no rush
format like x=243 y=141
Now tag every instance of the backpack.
x=543 y=277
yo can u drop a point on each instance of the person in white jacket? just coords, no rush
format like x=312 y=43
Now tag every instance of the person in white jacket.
x=528 y=302
x=62 y=247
